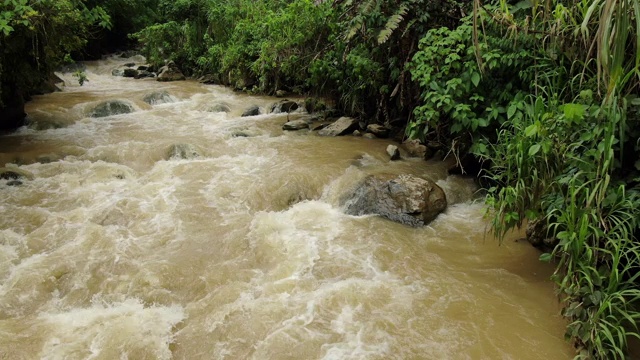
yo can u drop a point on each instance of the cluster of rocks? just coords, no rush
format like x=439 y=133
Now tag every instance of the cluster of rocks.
x=118 y=106
x=15 y=176
x=169 y=72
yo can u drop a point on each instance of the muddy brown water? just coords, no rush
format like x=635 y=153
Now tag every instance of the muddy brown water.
x=114 y=252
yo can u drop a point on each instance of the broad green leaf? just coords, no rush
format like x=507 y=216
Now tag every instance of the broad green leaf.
x=534 y=149
x=512 y=110
x=475 y=79
x=574 y=112
x=531 y=130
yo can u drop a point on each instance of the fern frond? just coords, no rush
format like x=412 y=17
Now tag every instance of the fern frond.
x=353 y=30
x=392 y=24
x=367 y=6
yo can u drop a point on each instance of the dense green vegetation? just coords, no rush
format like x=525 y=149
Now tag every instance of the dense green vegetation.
x=545 y=94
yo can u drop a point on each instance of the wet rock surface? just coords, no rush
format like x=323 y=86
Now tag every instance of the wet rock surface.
x=405 y=199
x=182 y=151
x=342 y=126
x=112 y=107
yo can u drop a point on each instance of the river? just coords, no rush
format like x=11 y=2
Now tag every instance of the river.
x=112 y=251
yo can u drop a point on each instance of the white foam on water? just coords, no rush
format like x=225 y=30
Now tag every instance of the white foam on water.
x=124 y=330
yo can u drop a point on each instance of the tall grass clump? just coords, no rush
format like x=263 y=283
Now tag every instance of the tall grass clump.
x=571 y=161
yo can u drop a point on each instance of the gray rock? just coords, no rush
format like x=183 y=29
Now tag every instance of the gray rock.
x=415 y=149
x=252 y=111
x=244 y=133
x=405 y=199
x=144 y=67
x=219 y=107
x=357 y=133
x=14 y=183
x=130 y=64
x=296 y=125
x=342 y=126
x=117 y=72
x=182 y=151
x=111 y=107
x=394 y=152
x=158 y=97
x=378 y=130
x=281 y=93
x=47 y=158
x=130 y=73
x=284 y=106
x=369 y=136
x=170 y=72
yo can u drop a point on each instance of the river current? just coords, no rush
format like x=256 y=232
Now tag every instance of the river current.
x=113 y=251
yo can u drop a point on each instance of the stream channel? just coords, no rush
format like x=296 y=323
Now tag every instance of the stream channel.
x=113 y=251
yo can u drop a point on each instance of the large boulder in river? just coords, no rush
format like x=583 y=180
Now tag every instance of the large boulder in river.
x=342 y=126
x=405 y=199
x=111 y=107
x=170 y=72
x=182 y=151
x=158 y=97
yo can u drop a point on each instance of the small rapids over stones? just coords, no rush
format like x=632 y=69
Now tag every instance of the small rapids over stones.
x=181 y=230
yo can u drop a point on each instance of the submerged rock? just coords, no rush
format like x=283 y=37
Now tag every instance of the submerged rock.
x=251 y=111
x=369 y=136
x=342 y=126
x=296 y=125
x=111 y=107
x=158 y=97
x=405 y=199
x=219 y=107
x=14 y=173
x=182 y=151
